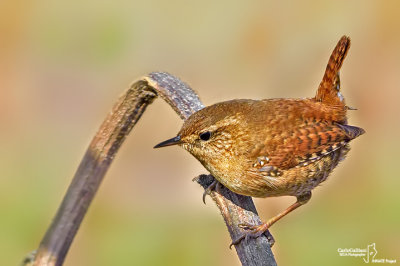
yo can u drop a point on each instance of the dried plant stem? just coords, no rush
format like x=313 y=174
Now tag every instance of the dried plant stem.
x=235 y=209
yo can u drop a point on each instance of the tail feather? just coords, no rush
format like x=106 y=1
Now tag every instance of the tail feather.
x=329 y=88
x=352 y=132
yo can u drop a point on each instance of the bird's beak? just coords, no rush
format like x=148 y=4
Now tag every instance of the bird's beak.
x=169 y=142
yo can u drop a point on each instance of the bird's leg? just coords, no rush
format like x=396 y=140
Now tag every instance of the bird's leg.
x=214 y=185
x=257 y=230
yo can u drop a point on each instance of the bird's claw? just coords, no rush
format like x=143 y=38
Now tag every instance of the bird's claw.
x=209 y=189
x=246 y=226
x=255 y=231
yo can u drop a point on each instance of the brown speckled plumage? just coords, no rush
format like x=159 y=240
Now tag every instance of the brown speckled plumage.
x=300 y=140
x=274 y=147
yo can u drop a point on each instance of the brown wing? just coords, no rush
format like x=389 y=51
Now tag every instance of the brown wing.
x=304 y=145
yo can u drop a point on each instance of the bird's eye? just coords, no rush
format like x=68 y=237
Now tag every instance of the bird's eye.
x=205 y=135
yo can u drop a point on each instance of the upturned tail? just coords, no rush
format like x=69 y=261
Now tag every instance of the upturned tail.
x=329 y=88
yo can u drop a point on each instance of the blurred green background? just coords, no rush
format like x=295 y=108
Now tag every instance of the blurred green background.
x=64 y=63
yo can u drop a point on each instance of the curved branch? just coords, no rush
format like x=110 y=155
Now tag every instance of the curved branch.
x=237 y=209
x=101 y=152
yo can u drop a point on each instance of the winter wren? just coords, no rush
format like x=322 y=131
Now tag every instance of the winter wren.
x=273 y=147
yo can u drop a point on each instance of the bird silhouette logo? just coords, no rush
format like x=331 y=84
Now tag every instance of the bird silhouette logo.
x=371 y=253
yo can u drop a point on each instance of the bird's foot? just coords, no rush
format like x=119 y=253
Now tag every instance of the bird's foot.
x=215 y=185
x=254 y=231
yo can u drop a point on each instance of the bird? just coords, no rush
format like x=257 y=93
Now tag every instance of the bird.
x=273 y=147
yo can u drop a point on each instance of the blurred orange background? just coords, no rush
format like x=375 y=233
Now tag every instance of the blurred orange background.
x=64 y=63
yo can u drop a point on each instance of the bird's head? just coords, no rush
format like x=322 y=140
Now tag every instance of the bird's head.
x=211 y=132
